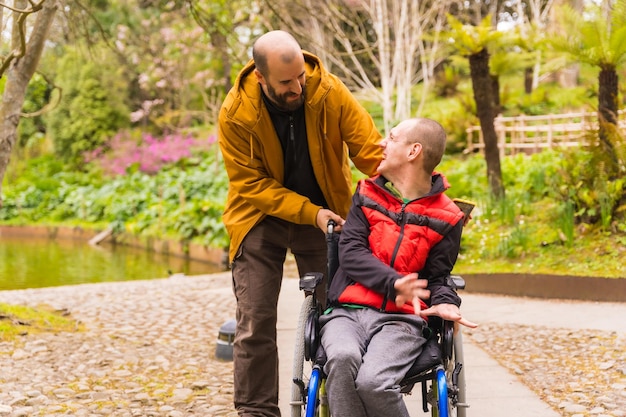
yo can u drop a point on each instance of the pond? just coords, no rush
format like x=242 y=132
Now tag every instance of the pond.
x=27 y=262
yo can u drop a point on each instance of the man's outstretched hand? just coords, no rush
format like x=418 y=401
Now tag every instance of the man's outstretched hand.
x=448 y=312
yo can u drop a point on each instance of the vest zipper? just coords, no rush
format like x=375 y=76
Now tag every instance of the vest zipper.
x=402 y=223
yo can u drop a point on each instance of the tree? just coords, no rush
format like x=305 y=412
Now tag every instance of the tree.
x=92 y=109
x=598 y=38
x=381 y=48
x=566 y=76
x=473 y=42
x=534 y=16
x=19 y=67
x=230 y=26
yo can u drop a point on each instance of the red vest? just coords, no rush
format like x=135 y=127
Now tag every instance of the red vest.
x=401 y=235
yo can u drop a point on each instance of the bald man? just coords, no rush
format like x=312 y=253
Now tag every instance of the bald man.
x=287 y=130
x=401 y=226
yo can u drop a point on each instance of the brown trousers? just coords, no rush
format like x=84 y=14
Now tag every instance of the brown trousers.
x=257 y=272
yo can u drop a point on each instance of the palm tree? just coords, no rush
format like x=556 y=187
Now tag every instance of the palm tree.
x=598 y=37
x=472 y=42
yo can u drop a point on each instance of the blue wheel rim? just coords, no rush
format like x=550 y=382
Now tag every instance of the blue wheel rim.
x=442 y=393
x=311 y=398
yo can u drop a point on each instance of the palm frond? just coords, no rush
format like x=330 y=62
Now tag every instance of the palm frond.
x=588 y=37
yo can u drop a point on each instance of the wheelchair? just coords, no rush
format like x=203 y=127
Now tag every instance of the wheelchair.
x=438 y=369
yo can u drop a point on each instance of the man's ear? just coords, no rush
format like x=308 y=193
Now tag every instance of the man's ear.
x=259 y=76
x=414 y=151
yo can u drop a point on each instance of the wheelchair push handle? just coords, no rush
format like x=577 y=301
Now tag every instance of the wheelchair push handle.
x=330 y=227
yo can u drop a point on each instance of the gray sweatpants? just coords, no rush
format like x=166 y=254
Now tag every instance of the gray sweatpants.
x=369 y=353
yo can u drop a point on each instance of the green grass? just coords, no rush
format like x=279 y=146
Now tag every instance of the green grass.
x=17 y=321
x=532 y=245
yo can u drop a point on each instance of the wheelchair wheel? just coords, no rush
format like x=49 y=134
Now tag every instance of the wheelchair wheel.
x=299 y=385
x=440 y=386
x=461 y=406
x=312 y=408
x=455 y=386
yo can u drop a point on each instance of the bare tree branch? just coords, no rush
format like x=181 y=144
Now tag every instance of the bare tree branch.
x=379 y=48
x=20 y=15
x=51 y=105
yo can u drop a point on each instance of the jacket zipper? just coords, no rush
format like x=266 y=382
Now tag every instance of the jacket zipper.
x=292 y=139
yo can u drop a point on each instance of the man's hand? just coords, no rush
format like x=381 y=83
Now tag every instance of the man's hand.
x=324 y=215
x=410 y=288
x=448 y=312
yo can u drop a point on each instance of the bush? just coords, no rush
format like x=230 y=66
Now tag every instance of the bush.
x=124 y=154
x=174 y=202
x=91 y=110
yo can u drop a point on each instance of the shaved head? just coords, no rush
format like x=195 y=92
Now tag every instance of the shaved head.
x=275 y=45
x=280 y=69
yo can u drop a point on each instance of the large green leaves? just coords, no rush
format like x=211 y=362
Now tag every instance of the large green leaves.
x=593 y=37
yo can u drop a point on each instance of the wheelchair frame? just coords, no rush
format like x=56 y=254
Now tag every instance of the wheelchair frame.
x=439 y=368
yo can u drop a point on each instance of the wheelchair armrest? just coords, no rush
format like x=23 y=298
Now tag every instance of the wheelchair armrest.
x=455 y=282
x=310 y=281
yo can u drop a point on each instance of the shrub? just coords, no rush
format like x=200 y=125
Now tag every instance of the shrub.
x=123 y=154
x=91 y=110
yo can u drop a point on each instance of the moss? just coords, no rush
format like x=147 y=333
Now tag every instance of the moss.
x=16 y=321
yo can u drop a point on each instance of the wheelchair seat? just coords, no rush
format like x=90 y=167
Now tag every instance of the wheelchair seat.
x=422 y=368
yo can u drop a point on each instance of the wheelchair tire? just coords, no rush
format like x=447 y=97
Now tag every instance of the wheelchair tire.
x=297 y=403
x=461 y=409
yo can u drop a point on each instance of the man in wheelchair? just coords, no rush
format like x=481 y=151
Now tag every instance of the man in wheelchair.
x=397 y=247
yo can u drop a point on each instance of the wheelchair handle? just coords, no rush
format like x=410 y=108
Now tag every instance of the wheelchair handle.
x=330 y=228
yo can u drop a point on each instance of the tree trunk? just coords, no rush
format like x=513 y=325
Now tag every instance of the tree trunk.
x=483 y=96
x=18 y=77
x=607 y=111
x=528 y=80
x=221 y=44
x=495 y=94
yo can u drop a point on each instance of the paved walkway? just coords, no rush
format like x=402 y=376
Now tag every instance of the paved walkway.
x=148 y=350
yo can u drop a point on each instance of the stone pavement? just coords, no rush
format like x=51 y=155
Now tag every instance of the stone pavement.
x=148 y=349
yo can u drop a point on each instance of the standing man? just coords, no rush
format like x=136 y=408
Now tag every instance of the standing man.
x=286 y=131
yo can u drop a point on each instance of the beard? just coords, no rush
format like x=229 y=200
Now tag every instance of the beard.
x=282 y=100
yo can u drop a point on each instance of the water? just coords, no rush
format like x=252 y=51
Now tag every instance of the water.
x=41 y=262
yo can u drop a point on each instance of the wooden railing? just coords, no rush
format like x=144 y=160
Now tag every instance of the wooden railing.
x=531 y=134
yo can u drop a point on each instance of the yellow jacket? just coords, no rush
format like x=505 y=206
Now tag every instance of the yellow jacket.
x=337 y=127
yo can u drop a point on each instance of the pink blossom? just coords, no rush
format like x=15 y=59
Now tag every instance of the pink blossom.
x=149 y=154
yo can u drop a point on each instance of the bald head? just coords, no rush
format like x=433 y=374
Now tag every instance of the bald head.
x=432 y=136
x=276 y=45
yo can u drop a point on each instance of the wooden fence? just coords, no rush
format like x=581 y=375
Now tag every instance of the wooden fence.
x=531 y=134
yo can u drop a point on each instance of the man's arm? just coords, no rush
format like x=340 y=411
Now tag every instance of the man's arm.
x=358 y=130
x=258 y=183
